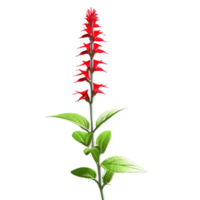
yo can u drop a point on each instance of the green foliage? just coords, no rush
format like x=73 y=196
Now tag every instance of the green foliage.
x=93 y=152
x=112 y=165
x=103 y=140
x=108 y=177
x=121 y=165
x=81 y=137
x=84 y=172
x=106 y=116
x=77 y=119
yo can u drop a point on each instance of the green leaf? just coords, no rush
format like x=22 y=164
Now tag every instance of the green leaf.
x=93 y=151
x=95 y=154
x=121 y=165
x=107 y=176
x=88 y=138
x=75 y=118
x=103 y=139
x=83 y=137
x=87 y=151
x=105 y=116
x=84 y=172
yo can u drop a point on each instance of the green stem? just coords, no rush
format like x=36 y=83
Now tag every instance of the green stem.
x=91 y=112
x=91 y=116
x=99 y=171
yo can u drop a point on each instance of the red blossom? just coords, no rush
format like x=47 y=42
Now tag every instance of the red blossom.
x=81 y=94
x=99 y=87
x=91 y=49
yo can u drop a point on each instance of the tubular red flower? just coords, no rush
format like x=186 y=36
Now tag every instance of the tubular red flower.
x=82 y=74
x=83 y=53
x=91 y=48
x=95 y=67
x=87 y=63
x=85 y=45
x=81 y=94
x=99 y=87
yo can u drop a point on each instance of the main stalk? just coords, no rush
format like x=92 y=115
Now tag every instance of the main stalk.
x=91 y=119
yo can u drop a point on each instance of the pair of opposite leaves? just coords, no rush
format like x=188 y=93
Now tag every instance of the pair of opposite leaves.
x=102 y=141
x=85 y=138
x=83 y=122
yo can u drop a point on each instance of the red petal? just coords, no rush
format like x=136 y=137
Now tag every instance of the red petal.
x=75 y=92
x=85 y=73
x=96 y=62
x=87 y=63
x=82 y=53
x=81 y=80
x=100 y=51
x=98 y=69
x=96 y=26
x=96 y=46
x=96 y=33
x=84 y=36
x=87 y=18
x=99 y=39
x=87 y=46
x=87 y=97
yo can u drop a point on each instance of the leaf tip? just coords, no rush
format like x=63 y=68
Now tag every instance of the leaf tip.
x=47 y=116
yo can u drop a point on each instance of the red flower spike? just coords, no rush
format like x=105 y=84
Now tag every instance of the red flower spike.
x=93 y=35
x=91 y=16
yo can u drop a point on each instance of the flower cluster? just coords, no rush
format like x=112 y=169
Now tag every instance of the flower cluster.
x=91 y=49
